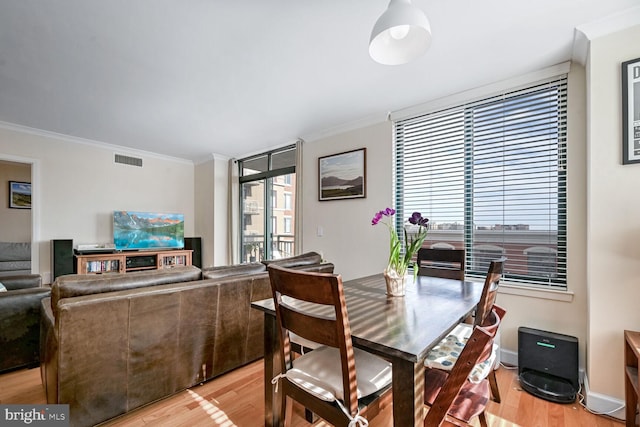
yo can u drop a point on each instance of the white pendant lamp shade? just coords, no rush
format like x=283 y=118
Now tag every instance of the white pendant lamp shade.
x=401 y=34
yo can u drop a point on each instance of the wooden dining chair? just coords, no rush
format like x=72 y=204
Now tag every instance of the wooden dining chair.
x=444 y=355
x=446 y=263
x=456 y=397
x=336 y=381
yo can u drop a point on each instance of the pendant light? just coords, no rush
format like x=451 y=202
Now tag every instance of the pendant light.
x=400 y=35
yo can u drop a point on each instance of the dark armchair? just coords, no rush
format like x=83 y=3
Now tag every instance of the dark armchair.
x=20 y=320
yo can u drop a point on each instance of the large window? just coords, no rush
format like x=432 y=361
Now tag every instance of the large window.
x=491 y=177
x=266 y=180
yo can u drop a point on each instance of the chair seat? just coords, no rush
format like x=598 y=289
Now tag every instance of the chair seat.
x=318 y=372
x=445 y=354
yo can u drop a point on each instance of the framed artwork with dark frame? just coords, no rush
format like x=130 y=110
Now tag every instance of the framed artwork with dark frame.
x=19 y=195
x=631 y=111
x=342 y=175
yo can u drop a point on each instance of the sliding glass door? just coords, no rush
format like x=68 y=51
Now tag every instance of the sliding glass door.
x=267 y=185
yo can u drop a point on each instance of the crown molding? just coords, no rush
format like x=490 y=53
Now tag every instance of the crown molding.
x=346 y=127
x=98 y=144
x=583 y=34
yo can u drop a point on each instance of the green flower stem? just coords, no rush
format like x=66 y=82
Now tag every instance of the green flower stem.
x=401 y=262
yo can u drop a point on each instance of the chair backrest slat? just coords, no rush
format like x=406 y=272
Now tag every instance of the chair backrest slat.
x=445 y=263
x=489 y=290
x=318 y=329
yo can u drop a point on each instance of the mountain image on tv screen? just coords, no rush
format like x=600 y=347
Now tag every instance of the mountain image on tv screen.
x=147 y=230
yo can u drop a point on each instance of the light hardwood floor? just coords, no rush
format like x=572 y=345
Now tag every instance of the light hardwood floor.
x=236 y=399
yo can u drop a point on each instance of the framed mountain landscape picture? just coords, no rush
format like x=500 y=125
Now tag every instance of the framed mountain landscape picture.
x=342 y=175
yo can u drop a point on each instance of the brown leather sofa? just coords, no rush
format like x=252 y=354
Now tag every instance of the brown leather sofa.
x=112 y=343
x=20 y=320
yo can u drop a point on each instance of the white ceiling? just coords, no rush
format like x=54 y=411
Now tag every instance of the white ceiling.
x=188 y=78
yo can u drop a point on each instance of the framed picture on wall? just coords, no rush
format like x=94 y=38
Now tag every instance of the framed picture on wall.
x=631 y=111
x=19 y=195
x=342 y=175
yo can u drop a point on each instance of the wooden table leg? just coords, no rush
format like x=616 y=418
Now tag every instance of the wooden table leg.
x=408 y=401
x=272 y=405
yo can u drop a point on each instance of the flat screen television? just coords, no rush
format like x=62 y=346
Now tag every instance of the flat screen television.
x=147 y=230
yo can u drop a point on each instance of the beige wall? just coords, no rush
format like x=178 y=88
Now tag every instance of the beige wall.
x=211 y=210
x=613 y=206
x=544 y=310
x=204 y=188
x=78 y=186
x=221 y=222
x=348 y=240
x=16 y=223
x=358 y=249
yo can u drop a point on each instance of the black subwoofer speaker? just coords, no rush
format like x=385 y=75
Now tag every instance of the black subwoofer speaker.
x=548 y=364
x=195 y=244
x=61 y=258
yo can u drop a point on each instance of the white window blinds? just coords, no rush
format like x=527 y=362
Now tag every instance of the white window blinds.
x=491 y=177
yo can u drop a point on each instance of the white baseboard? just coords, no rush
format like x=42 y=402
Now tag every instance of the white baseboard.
x=596 y=402
x=601 y=403
x=508 y=357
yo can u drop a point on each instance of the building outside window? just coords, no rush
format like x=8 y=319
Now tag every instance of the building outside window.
x=542 y=260
x=287 y=201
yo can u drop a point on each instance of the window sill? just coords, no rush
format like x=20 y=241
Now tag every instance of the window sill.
x=534 y=292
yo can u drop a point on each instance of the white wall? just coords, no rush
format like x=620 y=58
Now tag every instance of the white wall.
x=16 y=223
x=80 y=187
x=613 y=205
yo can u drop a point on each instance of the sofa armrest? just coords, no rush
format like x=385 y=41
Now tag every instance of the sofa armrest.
x=308 y=258
x=48 y=351
x=233 y=270
x=20 y=327
x=21 y=281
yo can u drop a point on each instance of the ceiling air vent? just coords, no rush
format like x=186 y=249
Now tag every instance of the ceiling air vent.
x=128 y=160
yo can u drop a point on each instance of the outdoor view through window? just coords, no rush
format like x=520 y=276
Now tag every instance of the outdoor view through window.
x=491 y=177
x=267 y=185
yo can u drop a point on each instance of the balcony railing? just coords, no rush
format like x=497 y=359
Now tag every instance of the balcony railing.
x=253 y=247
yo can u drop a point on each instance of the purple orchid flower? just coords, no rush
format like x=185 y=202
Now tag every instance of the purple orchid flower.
x=416 y=218
x=378 y=216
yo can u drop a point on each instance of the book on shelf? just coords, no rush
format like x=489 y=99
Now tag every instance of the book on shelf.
x=103 y=266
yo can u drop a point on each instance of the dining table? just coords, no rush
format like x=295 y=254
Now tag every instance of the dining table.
x=400 y=329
